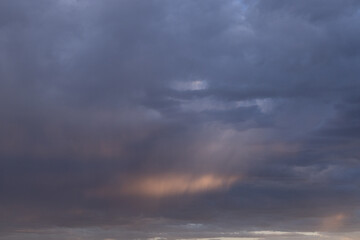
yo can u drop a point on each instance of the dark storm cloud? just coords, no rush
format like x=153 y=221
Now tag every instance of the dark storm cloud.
x=227 y=115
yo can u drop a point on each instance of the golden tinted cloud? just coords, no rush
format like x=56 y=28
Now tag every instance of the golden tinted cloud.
x=165 y=185
x=334 y=222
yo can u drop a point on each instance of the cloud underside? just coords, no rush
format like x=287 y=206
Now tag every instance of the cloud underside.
x=166 y=185
x=179 y=119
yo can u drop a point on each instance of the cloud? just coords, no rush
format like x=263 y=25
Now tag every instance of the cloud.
x=232 y=115
x=333 y=223
x=169 y=185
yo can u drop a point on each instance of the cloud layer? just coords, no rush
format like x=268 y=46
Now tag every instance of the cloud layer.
x=179 y=119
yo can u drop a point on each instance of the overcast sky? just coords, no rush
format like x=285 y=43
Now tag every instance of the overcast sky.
x=179 y=119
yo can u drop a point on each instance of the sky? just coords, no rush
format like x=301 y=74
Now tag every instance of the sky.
x=179 y=119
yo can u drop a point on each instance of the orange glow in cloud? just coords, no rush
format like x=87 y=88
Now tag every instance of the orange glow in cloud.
x=333 y=223
x=169 y=185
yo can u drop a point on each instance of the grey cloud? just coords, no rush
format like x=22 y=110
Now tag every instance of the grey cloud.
x=87 y=98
